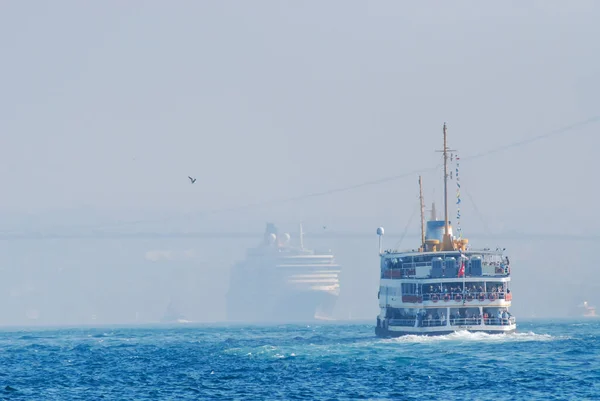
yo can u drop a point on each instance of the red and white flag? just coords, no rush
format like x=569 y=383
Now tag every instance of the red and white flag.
x=461 y=271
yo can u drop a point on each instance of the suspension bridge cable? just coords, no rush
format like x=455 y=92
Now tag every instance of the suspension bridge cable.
x=561 y=130
x=485 y=226
x=412 y=216
x=555 y=132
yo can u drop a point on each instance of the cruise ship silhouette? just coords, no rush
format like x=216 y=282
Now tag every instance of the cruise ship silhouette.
x=282 y=282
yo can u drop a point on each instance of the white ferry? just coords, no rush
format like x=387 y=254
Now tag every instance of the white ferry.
x=443 y=286
x=282 y=282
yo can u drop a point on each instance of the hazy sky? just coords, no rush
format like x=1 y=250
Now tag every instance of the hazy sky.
x=112 y=105
x=107 y=107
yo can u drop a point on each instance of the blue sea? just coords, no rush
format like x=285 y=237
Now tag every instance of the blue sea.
x=545 y=360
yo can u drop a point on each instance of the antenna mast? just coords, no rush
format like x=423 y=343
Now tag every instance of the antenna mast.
x=422 y=212
x=447 y=243
x=446 y=228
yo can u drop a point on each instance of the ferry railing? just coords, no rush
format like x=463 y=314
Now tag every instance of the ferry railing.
x=498 y=267
x=412 y=265
x=454 y=297
x=398 y=273
x=433 y=322
x=462 y=321
x=415 y=299
x=491 y=321
x=495 y=321
x=465 y=321
x=402 y=322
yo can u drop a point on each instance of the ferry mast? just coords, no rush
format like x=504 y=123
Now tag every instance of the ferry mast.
x=422 y=213
x=447 y=242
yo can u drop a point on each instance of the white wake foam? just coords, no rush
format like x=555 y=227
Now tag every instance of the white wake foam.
x=466 y=336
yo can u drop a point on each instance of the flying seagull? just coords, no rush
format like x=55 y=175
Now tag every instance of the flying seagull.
x=193 y=180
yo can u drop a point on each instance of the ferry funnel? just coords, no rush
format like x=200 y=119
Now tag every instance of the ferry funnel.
x=435 y=230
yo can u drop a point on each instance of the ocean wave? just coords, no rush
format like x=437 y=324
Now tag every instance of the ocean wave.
x=544 y=361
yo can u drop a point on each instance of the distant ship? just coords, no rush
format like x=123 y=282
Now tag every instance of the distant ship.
x=589 y=311
x=171 y=315
x=280 y=282
x=443 y=286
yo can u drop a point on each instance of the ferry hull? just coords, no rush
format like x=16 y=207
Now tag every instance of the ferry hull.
x=383 y=333
x=388 y=332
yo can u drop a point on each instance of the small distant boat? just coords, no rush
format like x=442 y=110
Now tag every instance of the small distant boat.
x=173 y=316
x=589 y=311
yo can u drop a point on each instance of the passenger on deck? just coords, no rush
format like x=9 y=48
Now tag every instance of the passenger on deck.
x=468 y=317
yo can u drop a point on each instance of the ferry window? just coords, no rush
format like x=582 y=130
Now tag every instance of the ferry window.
x=409 y=289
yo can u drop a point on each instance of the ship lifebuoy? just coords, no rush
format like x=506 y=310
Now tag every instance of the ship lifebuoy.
x=469 y=298
x=434 y=298
x=446 y=298
x=492 y=297
x=481 y=297
x=458 y=298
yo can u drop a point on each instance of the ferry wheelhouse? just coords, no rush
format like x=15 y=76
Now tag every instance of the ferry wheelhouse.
x=443 y=286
